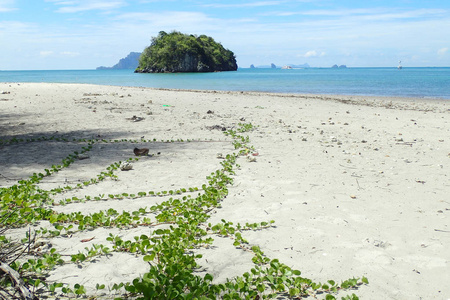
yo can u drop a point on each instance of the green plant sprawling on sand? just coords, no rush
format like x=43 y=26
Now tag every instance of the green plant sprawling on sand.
x=178 y=52
x=180 y=225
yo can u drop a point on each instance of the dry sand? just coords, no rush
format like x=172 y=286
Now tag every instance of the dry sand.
x=357 y=186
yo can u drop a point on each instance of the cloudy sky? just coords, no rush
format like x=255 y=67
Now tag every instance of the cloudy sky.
x=85 y=34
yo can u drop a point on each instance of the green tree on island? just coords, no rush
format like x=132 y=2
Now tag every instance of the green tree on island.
x=178 y=52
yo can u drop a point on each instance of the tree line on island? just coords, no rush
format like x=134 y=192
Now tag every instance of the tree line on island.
x=178 y=52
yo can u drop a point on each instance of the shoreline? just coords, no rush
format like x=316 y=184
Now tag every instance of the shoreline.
x=275 y=94
x=351 y=99
x=357 y=186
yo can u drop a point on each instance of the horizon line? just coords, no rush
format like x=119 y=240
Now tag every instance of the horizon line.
x=256 y=67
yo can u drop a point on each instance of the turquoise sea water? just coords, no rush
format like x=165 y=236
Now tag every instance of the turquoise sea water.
x=407 y=82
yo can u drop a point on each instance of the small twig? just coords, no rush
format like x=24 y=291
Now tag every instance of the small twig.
x=348 y=167
x=13 y=248
x=209 y=210
x=158 y=224
x=19 y=255
x=442 y=230
x=5 y=218
x=29 y=239
x=358 y=176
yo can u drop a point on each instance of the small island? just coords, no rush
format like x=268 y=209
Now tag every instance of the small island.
x=177 y=52
x=339 y=67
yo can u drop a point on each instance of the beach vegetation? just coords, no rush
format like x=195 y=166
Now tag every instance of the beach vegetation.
x=179 y=227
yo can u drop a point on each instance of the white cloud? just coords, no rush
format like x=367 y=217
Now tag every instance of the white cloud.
x=442 y=51
x=187 y=22
x=338 y=12
x=79 y=5
x=6 y=5
x=14 y=27
x=69 y=53
x=45 y=53
x=313 y=53
x=372 y=14
x=160 y=17
x=250 y=4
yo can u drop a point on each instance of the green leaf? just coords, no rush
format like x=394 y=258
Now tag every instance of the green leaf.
x=159 y=231
x=150 y=257
x=293 y=292
x=80 y=290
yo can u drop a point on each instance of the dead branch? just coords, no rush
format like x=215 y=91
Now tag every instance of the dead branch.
x=18 y=282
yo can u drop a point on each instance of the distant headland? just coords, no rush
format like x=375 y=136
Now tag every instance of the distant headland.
x=130 y=62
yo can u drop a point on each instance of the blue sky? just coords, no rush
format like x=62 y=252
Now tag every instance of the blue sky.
x=85 y=34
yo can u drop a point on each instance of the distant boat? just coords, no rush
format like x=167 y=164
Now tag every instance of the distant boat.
x=399 y=65
x=287 y=67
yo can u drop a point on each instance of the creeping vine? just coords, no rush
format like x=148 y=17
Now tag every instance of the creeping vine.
x=179 y=226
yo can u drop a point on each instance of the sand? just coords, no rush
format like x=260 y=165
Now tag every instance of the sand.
x=357 y=186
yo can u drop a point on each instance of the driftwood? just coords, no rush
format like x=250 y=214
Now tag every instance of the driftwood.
x=8 y=253
x=18 y=282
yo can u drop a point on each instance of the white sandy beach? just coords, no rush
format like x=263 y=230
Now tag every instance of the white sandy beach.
x=357 y=186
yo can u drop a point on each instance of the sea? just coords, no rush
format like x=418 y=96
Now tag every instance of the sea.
x=432 y=83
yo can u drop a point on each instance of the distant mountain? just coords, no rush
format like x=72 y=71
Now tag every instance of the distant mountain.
x=273 y=66
x=129 y=62
x=339 y=67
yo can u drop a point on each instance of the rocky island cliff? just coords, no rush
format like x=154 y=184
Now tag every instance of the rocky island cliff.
x=177 y=52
